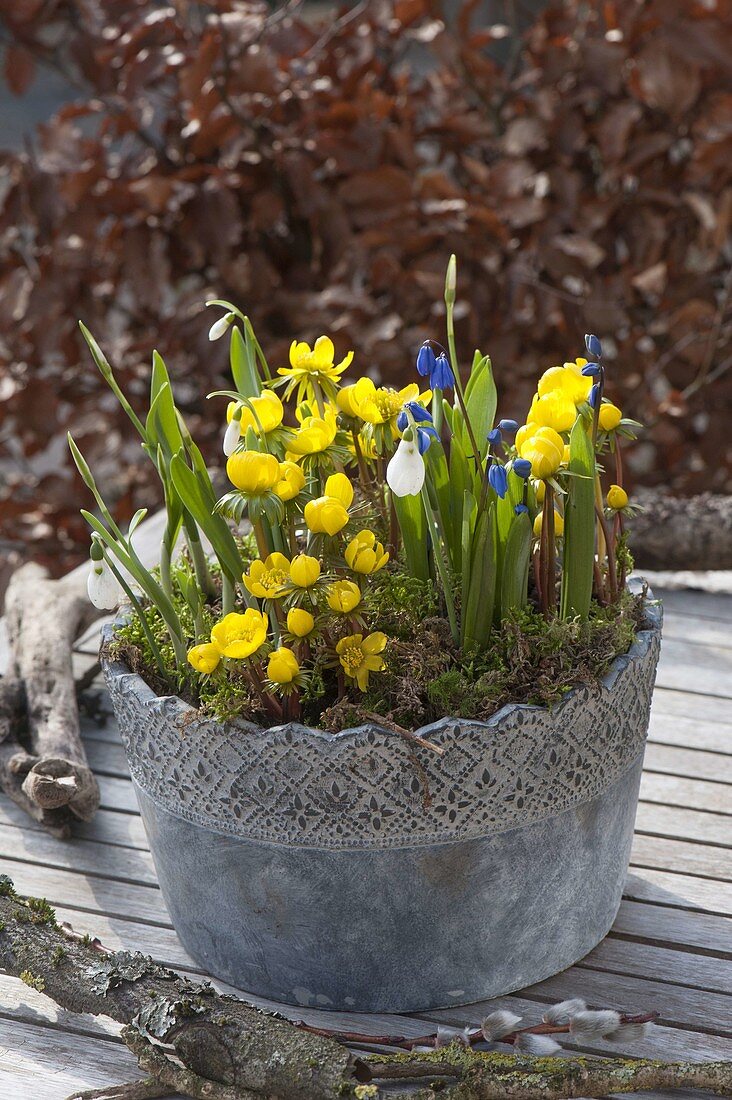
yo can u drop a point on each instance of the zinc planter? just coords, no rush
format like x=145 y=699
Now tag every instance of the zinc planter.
x=362 y=872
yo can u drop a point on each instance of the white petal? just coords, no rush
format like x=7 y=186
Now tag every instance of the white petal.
x=405 y=472
x=102 y=587
x=220 y=327
x=232 y=437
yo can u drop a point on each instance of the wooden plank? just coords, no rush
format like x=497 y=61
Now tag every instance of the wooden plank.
x=107 y=826
x=107 y=758
x=673 y=700
x=694 y=794
x=675 y=760
x=82 y=857
x=697 y=631
x=673 y=821
x=696 y=679
x=95 y=895
x=662 y=964
x=679 y=891
x=690 y=733
x=20 y=1002
x=698 y=605
x=678 y=855
x=117 y=794
x=45 y=1063
x=649 y=923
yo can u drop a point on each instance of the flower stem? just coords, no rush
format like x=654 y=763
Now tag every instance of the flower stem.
x=441 y=564
x=458 y=384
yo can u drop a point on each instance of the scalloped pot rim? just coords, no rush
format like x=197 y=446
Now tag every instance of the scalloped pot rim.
x=653 y=615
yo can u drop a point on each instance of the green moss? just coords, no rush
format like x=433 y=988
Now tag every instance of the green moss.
x=31 y=980
x=40 y=912
x=58 y=955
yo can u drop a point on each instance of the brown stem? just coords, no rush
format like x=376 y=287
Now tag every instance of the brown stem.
x=548 y=519
x=611 y=564
x=408 y=735
x=537 y=576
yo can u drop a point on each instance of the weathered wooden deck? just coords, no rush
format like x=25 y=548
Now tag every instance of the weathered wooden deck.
x=670 y=949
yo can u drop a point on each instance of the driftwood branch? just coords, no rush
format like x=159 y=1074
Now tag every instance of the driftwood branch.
x=191 y=1039
x=43 y=765
x=681 y=533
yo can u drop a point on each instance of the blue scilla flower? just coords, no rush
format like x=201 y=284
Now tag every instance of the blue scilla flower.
x=498 y=479
x=594 y=395
x=591 y=370
x=521 y=467
x=442 y=377
x=593 y=345
x=402 y=421
x=521 y=509
x=510 y=426
x=424 y=438
x=426 y=360
x=494 y=436
x=420 y=414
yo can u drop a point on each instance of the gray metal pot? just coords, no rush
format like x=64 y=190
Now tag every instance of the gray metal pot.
x=360 y=872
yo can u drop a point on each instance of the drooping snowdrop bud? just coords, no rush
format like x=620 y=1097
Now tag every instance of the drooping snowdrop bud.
x=102 y=586
x=538 y=1045
x=451 y=280
x=232 y=436
x=498 y=1024
x=220 y=328
x=405 y=472
x=594 y=1025
x=563 y=1012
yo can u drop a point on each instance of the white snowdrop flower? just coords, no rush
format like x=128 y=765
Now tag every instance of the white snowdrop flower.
x=405 y=472
x=220 y=328
x=232 y=437
x=102 y=586
x=563 y=1012
x=629 y=1033
x=499 y=1024
x=539 y=1045
x=594 y=1025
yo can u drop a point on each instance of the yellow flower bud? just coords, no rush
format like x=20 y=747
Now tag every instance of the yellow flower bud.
x=364 y=554
x=204 y=658
x=544 y=450
x=252 y=472
x=282 y=667
x=291 y=481
x=558 y=524
x=268 y=407
x=610 y=416
x=304 y=570
x=617 y=498
x=344 y=596
x=299 y=622
x=555 y=409
x=325 y=515
x=540 y=492
x=346 y=400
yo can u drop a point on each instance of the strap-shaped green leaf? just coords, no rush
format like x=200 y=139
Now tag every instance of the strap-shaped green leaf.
x=579 y=525
x=413 y=526
x=196 y=495
x=242 y=357
x=515 y=571
x=477 y=618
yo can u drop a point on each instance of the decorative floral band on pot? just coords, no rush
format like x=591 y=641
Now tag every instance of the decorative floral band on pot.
x=387 y=738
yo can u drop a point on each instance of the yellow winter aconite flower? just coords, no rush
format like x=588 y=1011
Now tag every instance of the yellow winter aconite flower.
x=346 y=400
x=252 y=472
x=383 y=405
x=267 y=579
x=300 y=622
x=282 y=667
x=313 y=365
x=343 y=597
x=329 y=514
x=204 y=658
x=555 y=409
x=364 y=554
x=558 y=524
x=291 y=480
x=545 y=450
x=568 y=380
x=304 y=570
x=359 y=656
x=617 y=498
x=268 y=407
x=609 y=417
x=238 y=635
x=315 y=434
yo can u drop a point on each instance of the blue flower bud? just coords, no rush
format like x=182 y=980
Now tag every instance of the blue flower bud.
x=420 y=414
x=402 y=420
x=593 y=345
x=521 y=467
x=594 y=395
x=442 y=377
x=424 y=438
x=425 y=360
x=521 y=510
x=498 y=479
x=494 y=436
x=592 y=370
x=509 y=426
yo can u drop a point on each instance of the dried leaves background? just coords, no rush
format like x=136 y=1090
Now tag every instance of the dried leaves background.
x=319 y=174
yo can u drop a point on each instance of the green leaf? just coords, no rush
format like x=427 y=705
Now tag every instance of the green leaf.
x=162 y=424
x=481 y=400
x=243 y=365
x=413 y=526
x=477 y=617
x=197 y=496
x=461 y=480
x=468 y=526
x=579 y=525
x=108 y=375
x=515 y=572
x=440 y=491
x=136 y=521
